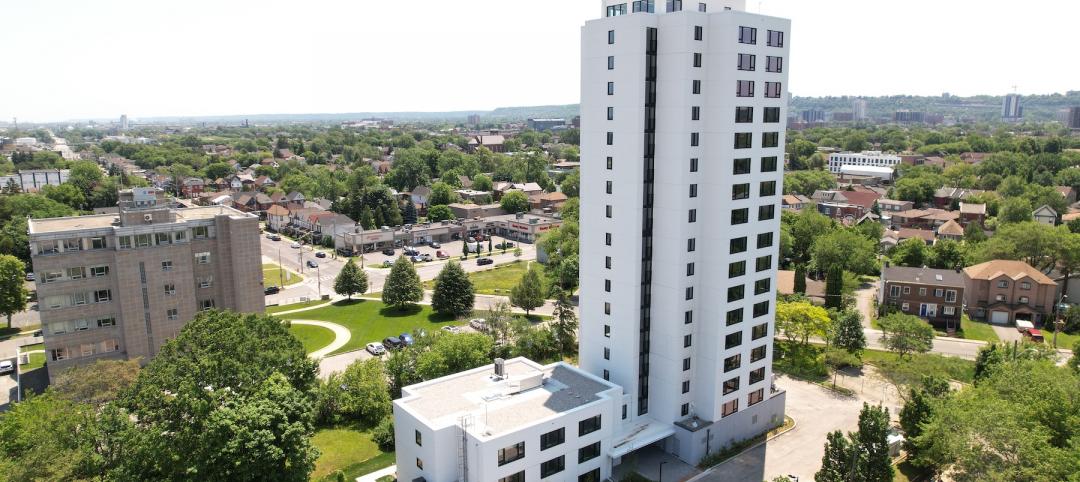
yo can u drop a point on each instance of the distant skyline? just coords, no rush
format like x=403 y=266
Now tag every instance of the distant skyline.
x=71 y=59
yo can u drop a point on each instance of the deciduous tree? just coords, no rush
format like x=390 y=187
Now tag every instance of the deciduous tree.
x=453 y=294
x=12 y=288
x=515 y=202
x=906 y=334
x=351 y=280
x=529 y=292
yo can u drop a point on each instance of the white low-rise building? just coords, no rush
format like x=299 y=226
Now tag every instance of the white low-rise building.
x=524 y=422
x=862 y=159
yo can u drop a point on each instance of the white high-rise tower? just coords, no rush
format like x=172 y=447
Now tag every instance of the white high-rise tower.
x=683 y=113
x=858 y=109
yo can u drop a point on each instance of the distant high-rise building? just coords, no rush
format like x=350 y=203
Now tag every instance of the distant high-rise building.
x=813 y=116
x=1011 y=110
x=909 y=117
x=842 y=117
x=123 y=122
x=1074 y=118
x=858 y=109
x=546 y=124
x=474 y=119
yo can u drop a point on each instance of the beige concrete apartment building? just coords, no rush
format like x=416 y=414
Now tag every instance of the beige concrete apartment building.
x=119 y=286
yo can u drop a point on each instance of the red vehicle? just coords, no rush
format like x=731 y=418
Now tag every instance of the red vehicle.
x=1035 y=335
x=441 y=255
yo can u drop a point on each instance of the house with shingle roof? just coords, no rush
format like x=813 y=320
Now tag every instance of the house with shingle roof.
x=1004 y=291
x=951 y=230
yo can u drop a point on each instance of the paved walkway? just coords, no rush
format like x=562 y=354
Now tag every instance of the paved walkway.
x=1007 y=334
x=341 y=336
x=372 y=477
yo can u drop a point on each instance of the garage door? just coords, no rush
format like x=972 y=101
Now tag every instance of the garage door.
x=999 y=317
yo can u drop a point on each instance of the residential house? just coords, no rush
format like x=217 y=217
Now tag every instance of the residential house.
x=951 y=230
x=263 y=183
x=529 y=188
x=794 y=201
x=923 y=218
x=889 y=240
x=905 y=234
x=1068 y=193
x=277 y=217
x=845 y=204
x=548 y=201
x=1003 y=291
x=972 y=213
x=294 y=199
x=1046 y=215
x=464 y=180
x=893 y=205
x=192 y=187
x=945 y=196
x=419 y=196
x=935 y=295
x=471 y=211
x=278 y=198
x=328 y=223
x=252 y=202
x=474 y=196
x=494 y=143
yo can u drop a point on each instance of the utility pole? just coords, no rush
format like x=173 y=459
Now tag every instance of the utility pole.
x=281 y=269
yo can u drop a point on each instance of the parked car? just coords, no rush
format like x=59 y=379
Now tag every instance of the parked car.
x=387 y=263
x=312 y=264
x=30 y=277
x=6 y=367
x=271 y=290
x=375 y=349
x=269 y=235
x=274 y=237
x=478 y=324
x=506 y=245
x=320 y=254
x=388 y=251
x=411 y=251
x=435 y=245
x=442 y=255
x=37 y=333
x=484 y=261
x=416 y=259
x=295 y=245
x=451 y=329
x=426 y=257
x=391 y=342
x=406 y=339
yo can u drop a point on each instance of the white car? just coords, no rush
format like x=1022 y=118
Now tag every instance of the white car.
x=295 y=246
x=375 y=348
x=6 y=367
x=451 y=329
x=478 y=324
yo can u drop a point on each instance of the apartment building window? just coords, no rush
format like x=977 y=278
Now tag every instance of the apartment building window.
x=607 y=331
x=688 y=317
x=206 y=305
x=745 y=88
x=894 y=291
x=732 y=363
x=734 y=317
x=520 y=476
x=689 y=269
x=729 y=408
x=948 y=310
x=589 y=452
x=762 y=286
x=1003 y=284
x=764 y=240
x=693 y=165
x=744 y=115
x=748 y=35
x=691 y=245
x=737 y=245
x=166 y=266
x=610 y=138
x=76 y=273
x=611 y=88
x=950 y=296
x=163 y=238
x=686 y=364
x=774 y=64
x=674 y=5
x=697 y=59
x=693 y=191
x=643 y=6
x=420 y=465
x=686 y=386
x=610 y=113
x=687 y=341
x=607 y=356
x=699 y=32
x=767 y=188
x=743 y=140
x=740 y=191
x=761 y=309
x=758 y=353
x=124 y=241
x=172 y=314
x=552 y=438
x=170 y=289
x=684 y=410
x=770 y=139
x=732 y=340
x=776 y=38
x=747 y=61
x=755 y=397
x=740 y=216
x=206 y=282
x=607 y=211
x=607 y=308
x=768 y=164
x=736 y=293
x=611 y=62
x=702 y=7
x=78 y=299
x=99 y=271
x=692 y=216
x=1023 y=300
x=759 y=331
x=906 y=307
x=741 y=166
x=201 y=232
x=616 y=10
x=772 y=115
x=766 y=212
x=608 y=186
x=180 y=236
x=202 y=258
x=757 y=375
x=60 y=354
x=938 y=292
x=611 y=37
x=1024 y=285
x=553 y=466
x=610 y=162
x=696 y=87
x=87 y=349
x=763 y=263
x=695 y=113
x=922 y=291
x=695 y=139
x=590 y=476
x=98 y=243
x=736 y=269
x=102 y=296
x=689 y=293
x=511 y=453
x=607 y=239
x=143 y=240
x=106 y=322
x=772 y=90
x=731 y=385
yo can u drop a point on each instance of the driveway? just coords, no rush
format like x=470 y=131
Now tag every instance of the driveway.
x=864 y=302
x=1007 y=334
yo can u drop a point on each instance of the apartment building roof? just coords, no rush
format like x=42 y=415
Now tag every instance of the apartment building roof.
x=1013 y=269
x=77 y=223
x=928 y=276
x=528 y=393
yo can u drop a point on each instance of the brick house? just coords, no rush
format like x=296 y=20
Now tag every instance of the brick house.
x=1003 y=291
x=935 y=295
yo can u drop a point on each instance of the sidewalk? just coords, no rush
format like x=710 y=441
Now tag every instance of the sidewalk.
x=372 y=477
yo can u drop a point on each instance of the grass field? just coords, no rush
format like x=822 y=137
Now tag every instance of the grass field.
x=349 y=450
x=974 y=330
x=295 y=306
x=370 y=320
x=37 y=360
x=911 y=369
x=313 y=337
x=499 y=280
x=1064 y=340
x=273 y=274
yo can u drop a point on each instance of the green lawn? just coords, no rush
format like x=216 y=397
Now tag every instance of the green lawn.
x=349 y=450
x=911 y=369
x=1064 y=340
x=499 y=280
x=974 y=330
x=37 y=360
x=273 y=275
x=370 y=320
x=295 y=306
x=313 y=337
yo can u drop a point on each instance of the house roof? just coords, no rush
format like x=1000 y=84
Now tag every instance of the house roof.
x=293 y=196
x=277 y=210
x=862 y=198
x=892 y=202
x=1065 y=191
x=929 y=276
x=785 y=285
x=956 y=193
x=908 y=233
x=951 y=228
x=969 y=208
x=934 y=214
x=794 y=199
x=553 y=196
x=1069 y=217
x=1002 y=267
x=1045 y=210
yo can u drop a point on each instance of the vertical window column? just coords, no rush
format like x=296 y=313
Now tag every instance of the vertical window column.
x=648 y=166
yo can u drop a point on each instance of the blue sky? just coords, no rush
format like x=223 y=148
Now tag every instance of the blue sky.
x=102 y=58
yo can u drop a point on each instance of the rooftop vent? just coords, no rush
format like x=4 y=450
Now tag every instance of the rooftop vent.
x=500 y=368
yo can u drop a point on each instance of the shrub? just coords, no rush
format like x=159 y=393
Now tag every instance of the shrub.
x=383 y=434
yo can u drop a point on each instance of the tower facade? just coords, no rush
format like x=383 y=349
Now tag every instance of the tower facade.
x=683 y=113
x=1011 y=110
x=858 y=109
